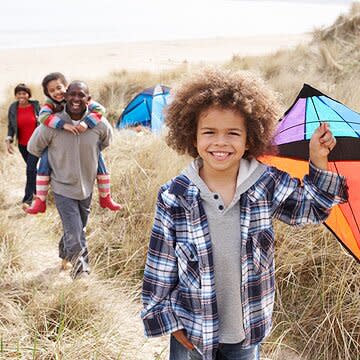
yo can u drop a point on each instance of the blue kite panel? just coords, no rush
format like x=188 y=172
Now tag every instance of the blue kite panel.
x=312 y=119
x=350 y=119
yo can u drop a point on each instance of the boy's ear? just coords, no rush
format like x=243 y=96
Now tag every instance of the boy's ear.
x=89 y=99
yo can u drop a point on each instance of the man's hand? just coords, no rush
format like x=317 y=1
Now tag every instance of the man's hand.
x=71 y=128
x=321 y=144
x=9 y=147
x=180 y=336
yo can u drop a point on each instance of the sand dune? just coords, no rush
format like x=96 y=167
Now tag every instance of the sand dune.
x=94 y=61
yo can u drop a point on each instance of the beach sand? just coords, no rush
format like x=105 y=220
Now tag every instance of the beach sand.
x=90 y=62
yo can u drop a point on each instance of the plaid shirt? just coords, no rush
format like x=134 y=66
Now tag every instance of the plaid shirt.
x=179 y=286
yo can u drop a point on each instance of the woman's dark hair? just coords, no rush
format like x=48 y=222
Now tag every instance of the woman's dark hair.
x=50 y=77
x=22 y=87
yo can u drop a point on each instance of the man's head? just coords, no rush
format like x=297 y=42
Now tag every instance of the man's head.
x=77 y=98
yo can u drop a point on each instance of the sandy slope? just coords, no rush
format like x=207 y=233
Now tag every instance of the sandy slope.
x=94 y=61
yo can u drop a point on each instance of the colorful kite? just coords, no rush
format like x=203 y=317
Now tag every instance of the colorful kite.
x=294 y=131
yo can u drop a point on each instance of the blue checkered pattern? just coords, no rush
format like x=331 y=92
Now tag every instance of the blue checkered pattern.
x=179 y=284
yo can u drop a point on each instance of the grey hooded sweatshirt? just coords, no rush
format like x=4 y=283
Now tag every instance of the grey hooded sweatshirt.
x=224 y=226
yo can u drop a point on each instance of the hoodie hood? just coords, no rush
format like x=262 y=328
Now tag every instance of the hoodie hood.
x=249 y=172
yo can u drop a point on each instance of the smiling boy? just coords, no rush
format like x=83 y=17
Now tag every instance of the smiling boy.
x=209 y=275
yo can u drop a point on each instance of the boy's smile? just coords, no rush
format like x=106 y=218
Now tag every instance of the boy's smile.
x=221 y=140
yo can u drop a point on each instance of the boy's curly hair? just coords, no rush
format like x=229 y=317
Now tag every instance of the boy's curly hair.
x=241 y=92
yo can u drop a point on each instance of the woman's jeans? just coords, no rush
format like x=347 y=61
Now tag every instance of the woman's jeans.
x=31 y=162
x=224 y=352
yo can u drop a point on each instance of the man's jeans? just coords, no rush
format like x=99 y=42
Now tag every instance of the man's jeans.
x=72 y=247
x=224 y=352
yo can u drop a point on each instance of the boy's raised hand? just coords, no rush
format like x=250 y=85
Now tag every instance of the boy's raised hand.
x=321 y=144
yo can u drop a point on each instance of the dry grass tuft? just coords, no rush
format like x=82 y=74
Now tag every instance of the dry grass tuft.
x=11 y=250
x=119 y=243
x=317 y=300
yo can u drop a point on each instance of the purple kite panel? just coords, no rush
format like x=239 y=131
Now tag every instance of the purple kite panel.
x=291 y=127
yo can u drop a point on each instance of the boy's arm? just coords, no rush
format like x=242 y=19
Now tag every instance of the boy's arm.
x=96 y=112
x=322 y=189
x=160 y=276
x=48 y=117
x=297 y=204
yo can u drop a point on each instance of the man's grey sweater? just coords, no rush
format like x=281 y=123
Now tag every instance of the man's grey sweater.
x=73 y=158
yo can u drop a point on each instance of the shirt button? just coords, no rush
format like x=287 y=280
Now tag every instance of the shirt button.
x=221 y=207
x=216 y=196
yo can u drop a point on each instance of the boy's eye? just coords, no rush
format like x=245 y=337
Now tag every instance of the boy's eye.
x=208 y=132
x=234 y=133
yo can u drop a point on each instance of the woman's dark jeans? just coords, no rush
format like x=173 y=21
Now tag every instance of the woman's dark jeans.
x=31 y=162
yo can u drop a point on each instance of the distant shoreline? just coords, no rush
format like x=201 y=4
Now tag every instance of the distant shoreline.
x=93 y=61
x=68 y=44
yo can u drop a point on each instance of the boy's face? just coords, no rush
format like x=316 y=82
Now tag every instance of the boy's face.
x=56 y=90
x=22 y=97
x=221 y=139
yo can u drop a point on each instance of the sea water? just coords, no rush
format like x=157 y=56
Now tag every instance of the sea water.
x=42 y=23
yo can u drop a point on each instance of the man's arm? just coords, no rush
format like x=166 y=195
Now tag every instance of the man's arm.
x=40 y=139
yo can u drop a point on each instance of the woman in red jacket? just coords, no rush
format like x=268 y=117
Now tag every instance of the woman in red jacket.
x=22 y=121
